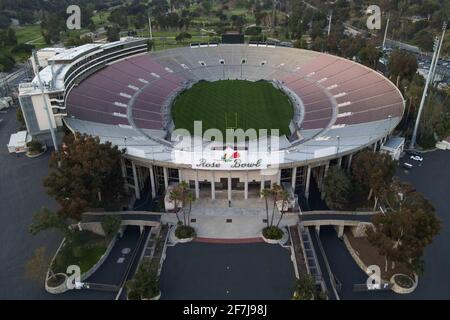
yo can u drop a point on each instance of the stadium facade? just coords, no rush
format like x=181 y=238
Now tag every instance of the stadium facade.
x=123 y=94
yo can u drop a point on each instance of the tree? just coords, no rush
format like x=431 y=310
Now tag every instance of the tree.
x=304 y=287
x=276 y=192
x=111 y=225
x=175 y=196
x=266 y=193
x=113 y=33
x=284 y=204
x=369 y=55
x=145 y=283
x=402 y=66
x=77 y=41
x=337 y=188
x=119 y=16
x=36 y=268
x=46 y=219
x=52 y=25
x=86 y=174
x=183 y=195
x=408 y=226
x=374 y=171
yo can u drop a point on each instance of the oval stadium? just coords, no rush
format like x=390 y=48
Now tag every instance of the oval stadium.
x=318 y=109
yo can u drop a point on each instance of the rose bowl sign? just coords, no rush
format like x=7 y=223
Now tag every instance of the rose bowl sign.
x=228 y=159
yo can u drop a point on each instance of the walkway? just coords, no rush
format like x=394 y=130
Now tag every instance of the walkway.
x=213 y=219
x=129 y=218
x=336 y=218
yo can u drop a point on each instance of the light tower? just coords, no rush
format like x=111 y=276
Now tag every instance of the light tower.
x=433 y=72
x=424 y=95
x=386 y=31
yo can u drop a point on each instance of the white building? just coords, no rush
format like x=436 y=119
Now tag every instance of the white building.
x=394 y=147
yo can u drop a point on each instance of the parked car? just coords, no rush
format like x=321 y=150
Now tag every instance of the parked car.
x=417 y=158
x=407 y=166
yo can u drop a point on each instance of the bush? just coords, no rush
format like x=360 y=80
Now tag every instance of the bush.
x=22 y=48
x=145 y=283
x=34 y=146
x=404 y=281
x=427 y=141
x=184 y=232
x=304 y=288
x=272 y=233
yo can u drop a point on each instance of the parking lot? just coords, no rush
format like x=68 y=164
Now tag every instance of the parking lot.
x=432 y=179
x=21 y=194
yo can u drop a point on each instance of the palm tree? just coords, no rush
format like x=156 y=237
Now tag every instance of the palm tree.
x=190 y=197
x=276 y=191
x=266 y=193
x=175 y=196
x=183 y=194
x=184 y=190
x=284 y=197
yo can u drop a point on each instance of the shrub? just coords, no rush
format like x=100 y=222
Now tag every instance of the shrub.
x=34 y=146
x=184 y=232
x=427 y=141
x=304 y=288
x=272 y=233
x=23 y=48
x=404 y=281
x=145 y=283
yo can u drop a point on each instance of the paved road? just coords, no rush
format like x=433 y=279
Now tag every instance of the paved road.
x=208 y=271
x=432 y=179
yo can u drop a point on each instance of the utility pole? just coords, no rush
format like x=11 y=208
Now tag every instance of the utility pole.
x=424 y=95
x=386 y=31
x=47 y=111
x=433 y=72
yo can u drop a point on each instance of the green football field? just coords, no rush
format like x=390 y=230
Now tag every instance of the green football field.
x=233 y=104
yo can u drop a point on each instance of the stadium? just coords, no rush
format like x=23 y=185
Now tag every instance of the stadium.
x=325 y=108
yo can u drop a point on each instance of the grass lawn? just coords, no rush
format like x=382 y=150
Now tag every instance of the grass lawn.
x=233 y=103
x=28 y=33
x=85 y=251
x=23 y=35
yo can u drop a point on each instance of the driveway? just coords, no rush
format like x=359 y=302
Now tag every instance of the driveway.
x=227 y=271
